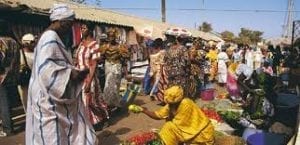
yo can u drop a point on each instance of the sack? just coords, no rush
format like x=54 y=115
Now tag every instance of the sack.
x=24 y=76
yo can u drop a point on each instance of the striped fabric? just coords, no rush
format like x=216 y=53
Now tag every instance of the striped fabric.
x=86 y=53
x=92 y=100
x=55 y=113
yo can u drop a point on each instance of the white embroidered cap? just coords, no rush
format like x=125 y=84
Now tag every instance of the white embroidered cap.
x=61 y=12
x=27 y=38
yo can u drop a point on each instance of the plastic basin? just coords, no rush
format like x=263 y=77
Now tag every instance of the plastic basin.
x=265 y=139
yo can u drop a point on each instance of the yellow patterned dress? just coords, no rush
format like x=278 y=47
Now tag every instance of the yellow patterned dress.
x=189 y=125
x=212 y=55
x=116 y=57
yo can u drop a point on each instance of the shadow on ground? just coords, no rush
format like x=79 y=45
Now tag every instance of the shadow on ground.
x=111 y=137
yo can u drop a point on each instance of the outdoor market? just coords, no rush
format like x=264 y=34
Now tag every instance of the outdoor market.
x=77 y=74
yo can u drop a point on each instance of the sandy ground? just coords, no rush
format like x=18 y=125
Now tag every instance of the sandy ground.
x=123 y=125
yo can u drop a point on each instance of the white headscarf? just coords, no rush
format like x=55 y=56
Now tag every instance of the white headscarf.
x=61 y=12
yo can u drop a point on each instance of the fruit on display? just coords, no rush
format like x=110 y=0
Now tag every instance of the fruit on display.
x=145 y=138
x=135 y=108
x=212 y=114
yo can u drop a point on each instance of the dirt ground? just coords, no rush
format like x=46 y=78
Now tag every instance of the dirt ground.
x=123 y=125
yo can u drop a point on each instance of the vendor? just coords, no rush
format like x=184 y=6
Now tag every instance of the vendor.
x=186 y=123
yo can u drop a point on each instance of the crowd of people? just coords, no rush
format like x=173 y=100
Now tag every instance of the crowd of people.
x=68 y=96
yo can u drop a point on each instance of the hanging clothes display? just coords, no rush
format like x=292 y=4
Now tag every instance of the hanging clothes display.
x=131 y=38
x=76 y=34
x=98 y=32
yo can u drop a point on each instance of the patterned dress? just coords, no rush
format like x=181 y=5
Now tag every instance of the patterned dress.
x=116 y=57
x=156 y=61
x=197 y=70
x=212 y=55
x=175 y=71
x=92 y=99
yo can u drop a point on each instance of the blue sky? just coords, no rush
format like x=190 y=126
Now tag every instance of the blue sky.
x=268 y=22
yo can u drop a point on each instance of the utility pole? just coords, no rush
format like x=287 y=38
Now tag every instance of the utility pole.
x=163 y=11
x=288 y=22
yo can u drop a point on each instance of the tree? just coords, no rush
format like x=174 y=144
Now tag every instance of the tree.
x=205 y=27
x=227 y=36
x=247 y=36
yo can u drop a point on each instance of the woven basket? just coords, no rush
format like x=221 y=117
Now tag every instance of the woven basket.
x=229 y=140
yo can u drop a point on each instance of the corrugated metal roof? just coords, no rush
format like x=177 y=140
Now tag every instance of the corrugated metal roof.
x=89 y=13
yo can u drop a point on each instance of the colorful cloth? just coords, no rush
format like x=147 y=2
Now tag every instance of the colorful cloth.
x=76 y=31
x=156 y=62
x=198 y=66
x=55 y=112
x=92 y=99
x=116 y=57
x=212 y=55
x=231 y=84
x=189 y=124
x=175 y=71
x=87 y=53
x=173 y=95
x=113 y=79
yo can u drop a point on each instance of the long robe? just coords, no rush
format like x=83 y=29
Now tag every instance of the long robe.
x=222 y=68
x=55 y=112
x=249 y=58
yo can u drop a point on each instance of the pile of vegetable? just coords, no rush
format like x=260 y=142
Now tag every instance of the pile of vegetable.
x=212 y=114
x=146 y=138
x=231 y=118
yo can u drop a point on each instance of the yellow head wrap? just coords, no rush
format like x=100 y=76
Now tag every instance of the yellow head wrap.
x=173 y=95
x=232 y=67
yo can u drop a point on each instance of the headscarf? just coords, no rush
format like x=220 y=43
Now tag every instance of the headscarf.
x=173 y=95
x=27 y=38
x=61 y=12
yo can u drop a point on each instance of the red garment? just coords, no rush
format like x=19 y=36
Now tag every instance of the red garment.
x=96 y=108
x=76 y=34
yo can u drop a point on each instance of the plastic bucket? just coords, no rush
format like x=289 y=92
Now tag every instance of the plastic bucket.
x=250 y=131
x=265 y=139
x=208 y=94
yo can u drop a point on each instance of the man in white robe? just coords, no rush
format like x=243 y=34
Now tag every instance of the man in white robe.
x=55 y=112
x=222 y=66
x=249 y=57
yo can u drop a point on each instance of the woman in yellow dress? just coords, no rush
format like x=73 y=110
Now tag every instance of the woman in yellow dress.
x=116 y=56
x=212 y=55
x=186 y=123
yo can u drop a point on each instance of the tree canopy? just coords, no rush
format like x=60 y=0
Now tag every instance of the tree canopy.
x=247 y=36
x=205 y=27
x=228 y=36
